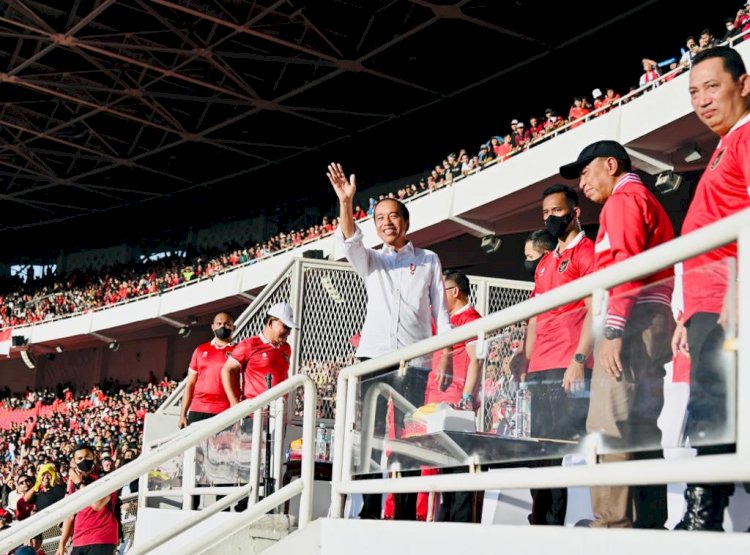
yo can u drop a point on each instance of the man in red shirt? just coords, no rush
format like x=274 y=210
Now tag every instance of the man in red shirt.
x=460 y=388
x=720 y=95
x=628 y=377
x=204 y=394
x=95 y=529
x=558 y=343
x=260 y=355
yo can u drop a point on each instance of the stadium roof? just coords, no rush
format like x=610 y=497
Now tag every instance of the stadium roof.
x=134 y=118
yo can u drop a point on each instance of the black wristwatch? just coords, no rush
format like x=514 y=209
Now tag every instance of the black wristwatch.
x=612 y=333
x=580 y=358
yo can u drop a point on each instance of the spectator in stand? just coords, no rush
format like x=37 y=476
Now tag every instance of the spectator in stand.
x=577 y=112
x=691 y=49
x=95 y=529
x=256 y=357
x=732 y=30
x=467 y=165
x=505 y=149
x=6 y=518
x=706 y=39
x=611 y=97
x=485 y=155
x=514 y=131
x=522 y=136
x=360 y=214
x=650 y=72
x=628 y=377
x=372 y=203
x=454 y=168
x=598 y=101
x=559 y=344
x=404 y=295
x=47 y=490
x=536 y=128
x=720 y=95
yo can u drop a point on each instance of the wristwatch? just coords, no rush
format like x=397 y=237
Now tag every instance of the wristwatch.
x=612 y=333
x=580 y=358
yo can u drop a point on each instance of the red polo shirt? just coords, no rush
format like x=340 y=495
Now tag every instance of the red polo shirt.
x=723 y=190
x=207 y=361
x=258 y=357
x=558 y=331
x=455 y=390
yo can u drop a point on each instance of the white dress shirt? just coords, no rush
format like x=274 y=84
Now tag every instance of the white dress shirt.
x=404 y=294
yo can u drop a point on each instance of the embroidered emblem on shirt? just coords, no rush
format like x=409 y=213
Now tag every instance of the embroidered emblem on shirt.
x=718 y=158
x=563 y=265
x=265 y=355
x=412 y=268
x=204 y=354
x=286 y=357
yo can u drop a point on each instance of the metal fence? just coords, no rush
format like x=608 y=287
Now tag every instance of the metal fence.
x=330 y=301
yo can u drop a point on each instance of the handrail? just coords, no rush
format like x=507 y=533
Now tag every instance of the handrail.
x=646 y=263
x=195 y=518
x=187 y=438
x=688 y=246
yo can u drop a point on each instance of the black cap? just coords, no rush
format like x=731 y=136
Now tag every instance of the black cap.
x=600 y=149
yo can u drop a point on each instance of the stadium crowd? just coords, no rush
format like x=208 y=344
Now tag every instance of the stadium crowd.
x=49 y=297
x=40 y=429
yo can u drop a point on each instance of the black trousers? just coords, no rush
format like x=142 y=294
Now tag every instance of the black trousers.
x=707 y=408
x=555 y=414
x=412 y=386
x=94 y=549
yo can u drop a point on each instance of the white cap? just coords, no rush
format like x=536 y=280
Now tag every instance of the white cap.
x=596 y=93
x=514 y=122
x=283 y=312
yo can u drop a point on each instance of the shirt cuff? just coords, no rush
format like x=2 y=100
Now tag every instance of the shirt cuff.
x=614 y=321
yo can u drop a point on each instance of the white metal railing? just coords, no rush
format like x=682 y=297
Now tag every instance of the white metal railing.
x=178 y=444
x=733 y=467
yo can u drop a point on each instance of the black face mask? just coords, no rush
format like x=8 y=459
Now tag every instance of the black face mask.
x=531 y=265
x=86 y=465
x=557 y=225
x=223 y=333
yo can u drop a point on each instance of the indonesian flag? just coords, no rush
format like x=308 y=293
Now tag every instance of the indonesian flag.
x=5 y=342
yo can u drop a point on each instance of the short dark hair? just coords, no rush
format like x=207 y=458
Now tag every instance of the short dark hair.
x=541 y=240
x=225 y=313
x=401 y=206
x=81 y=446
x=730 y=58
x=460 y=279
x=570 y=194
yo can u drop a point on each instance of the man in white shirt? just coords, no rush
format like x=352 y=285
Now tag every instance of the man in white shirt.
x=404 y=295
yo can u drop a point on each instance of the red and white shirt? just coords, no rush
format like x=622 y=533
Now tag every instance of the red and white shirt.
x=558 y=331
x=723 y=190
x=632 y=221
x=455 y=390
x=258 y=358
x=207 y=361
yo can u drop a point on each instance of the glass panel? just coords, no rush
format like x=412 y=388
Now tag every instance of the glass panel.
x=534 y=401
x=167 y=475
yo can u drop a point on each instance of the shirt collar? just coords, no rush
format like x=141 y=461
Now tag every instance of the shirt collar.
x=742 y=121
x=215 y=344
x=626 y=177
x=464 y=308
x=408 y=248
x=267 y=341
x=577 y=239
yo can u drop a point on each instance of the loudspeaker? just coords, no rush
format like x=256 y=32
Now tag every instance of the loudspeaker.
x=18 y=340
x=314 y=253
